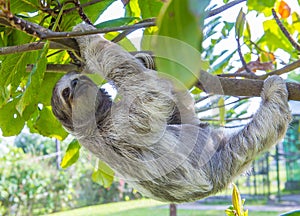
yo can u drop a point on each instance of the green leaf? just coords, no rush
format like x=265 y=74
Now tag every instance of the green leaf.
x=103 y=175
x=24 y=6
x=34 y=81
x=47 y=125
x=150 y=8
x=11 y=123
x=125 y=42
x=11 y=72
x=222 y=111
x=240 y=24
x=72 y=154
x=196 y=91
x=133 y=9
x=274 y=39
x=178 y=41
x=123 y=21
x=45 y=93
x=247 y=32
x=92 y=11
x=261 y=6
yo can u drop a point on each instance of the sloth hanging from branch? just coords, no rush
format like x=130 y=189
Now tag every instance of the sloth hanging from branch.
x=151 y=136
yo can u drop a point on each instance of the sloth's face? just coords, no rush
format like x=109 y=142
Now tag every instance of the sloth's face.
x=73 y=98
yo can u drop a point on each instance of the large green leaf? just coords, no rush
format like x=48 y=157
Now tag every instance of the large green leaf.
x=34 y=81
x=11 y=123
x=92 y=11
x=47 y=125
x=150 y=8
x=103 y=175
x=72 y=154
x=11 y=73
x=18 y=6
x=45 y=93
x=178 y=41
x=274 y=38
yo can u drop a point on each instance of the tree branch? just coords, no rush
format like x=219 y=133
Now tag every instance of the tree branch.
x=56 y=68
x=30 y=47
x=239 y=87
x=283 y=70
x=212 y=84
x=224 y=7
x=286 y=69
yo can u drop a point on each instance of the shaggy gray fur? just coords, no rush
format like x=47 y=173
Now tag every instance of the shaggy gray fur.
x=151 y=135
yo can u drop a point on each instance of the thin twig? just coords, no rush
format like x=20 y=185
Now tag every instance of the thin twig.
x=242 y=57
x=81 y=13
x=89 y=3
x=57 y=68
x=44 y=33
x=224 y=7
x=29 y=47
x=203 y=98
x=227 y=120
x=127 y=32
x=285 y=31
x=220 y=106
x=283 y=70
x=57 y=35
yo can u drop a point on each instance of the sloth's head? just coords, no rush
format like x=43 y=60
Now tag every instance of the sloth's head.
x=76 y=99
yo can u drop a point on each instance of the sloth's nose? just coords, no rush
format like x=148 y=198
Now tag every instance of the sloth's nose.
x=74 y=83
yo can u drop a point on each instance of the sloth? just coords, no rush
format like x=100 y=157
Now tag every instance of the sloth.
x=150 y=135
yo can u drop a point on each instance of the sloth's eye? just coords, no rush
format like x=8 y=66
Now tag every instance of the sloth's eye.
x=66 y=93
x=74 y=83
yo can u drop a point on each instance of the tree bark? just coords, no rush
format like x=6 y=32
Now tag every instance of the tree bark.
x=240 y=87
x=173 y=210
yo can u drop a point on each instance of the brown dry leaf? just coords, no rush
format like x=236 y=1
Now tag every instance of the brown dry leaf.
x=257 y=65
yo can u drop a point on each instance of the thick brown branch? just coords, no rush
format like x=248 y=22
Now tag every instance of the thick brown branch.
x=240 y=87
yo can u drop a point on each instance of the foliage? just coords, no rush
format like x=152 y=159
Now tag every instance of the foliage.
x=27 y=189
